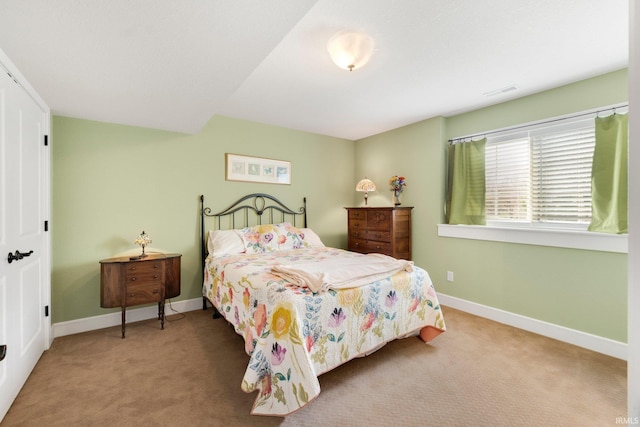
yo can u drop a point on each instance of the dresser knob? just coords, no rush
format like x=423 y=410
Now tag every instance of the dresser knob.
x=155 y=276
x=133 y=279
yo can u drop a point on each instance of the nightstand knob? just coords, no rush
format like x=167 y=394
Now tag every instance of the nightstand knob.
x=155 y=265
x=155 y=276
x=133 y=279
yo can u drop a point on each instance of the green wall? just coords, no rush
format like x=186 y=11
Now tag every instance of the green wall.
x=578 y=289
x=110 y=182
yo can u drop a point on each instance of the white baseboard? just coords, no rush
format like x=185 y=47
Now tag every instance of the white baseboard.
x=595 y=343
x=112 y=319
x=602 y=345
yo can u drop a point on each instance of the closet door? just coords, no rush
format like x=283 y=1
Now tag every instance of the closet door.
x=24 y=251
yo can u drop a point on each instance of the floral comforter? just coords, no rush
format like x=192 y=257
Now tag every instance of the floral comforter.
x=293 y=335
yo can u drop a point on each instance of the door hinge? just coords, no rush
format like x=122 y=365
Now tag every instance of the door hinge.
x=46 y=311
x=46 y=226
x=46 y=140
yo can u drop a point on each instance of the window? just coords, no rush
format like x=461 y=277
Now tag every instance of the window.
x=541 y=176
x=538 y=186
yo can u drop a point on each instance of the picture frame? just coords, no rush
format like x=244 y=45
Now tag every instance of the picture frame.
x=257 y=169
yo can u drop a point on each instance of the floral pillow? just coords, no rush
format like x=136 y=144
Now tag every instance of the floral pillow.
x=290 y=237
x=259 y=238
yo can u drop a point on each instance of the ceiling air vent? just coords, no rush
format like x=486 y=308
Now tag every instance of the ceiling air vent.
x=506 y=89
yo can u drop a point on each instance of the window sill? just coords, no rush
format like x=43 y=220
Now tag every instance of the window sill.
x=543 y=237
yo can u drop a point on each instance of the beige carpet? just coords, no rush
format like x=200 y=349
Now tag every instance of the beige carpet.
x=479 y=373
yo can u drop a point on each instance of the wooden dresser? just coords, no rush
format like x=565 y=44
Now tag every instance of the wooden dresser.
x=125 y=282
x=382 y=230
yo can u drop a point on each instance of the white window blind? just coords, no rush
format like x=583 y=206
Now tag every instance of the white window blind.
x=508 y=179
x=561 y=174
x=541 y=175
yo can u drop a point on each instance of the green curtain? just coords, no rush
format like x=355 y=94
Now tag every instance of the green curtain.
x=609 y=184
x=466 y=183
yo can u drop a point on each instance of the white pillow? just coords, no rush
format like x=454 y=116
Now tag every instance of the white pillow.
x=311 y=238
x=223 y=242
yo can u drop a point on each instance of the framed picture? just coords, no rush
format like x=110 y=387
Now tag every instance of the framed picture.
x=257 y=169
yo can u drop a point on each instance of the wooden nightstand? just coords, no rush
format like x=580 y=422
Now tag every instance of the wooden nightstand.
x=381 y=230
x=125 y=282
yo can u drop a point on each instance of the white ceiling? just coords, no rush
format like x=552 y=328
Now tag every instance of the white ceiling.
x=173 y=65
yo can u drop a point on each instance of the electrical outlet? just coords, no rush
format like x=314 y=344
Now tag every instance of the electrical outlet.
x=449 y=276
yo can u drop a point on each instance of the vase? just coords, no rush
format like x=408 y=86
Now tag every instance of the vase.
x=396 y=198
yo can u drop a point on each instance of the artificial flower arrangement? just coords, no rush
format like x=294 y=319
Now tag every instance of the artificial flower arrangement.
x=397 y=184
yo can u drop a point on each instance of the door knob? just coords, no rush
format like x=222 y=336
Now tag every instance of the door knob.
x=17 y=256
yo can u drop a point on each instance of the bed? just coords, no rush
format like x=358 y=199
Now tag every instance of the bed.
x=291 y=298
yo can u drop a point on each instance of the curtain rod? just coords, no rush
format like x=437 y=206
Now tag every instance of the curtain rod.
x=542 y=122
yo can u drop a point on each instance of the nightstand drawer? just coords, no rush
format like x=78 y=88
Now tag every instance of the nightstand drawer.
x=148 y=271
x=144 y=293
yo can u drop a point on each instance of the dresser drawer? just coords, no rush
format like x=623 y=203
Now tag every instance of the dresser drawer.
x=144 y=293
x=379 y=236
x=358 y=224
x=358 y=233
x=357 y=214
x=357 y=245
x=378 y=247
x=379 y=220
x=369 y=246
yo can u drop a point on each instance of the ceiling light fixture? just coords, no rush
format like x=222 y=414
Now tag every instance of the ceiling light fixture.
x=350 y=50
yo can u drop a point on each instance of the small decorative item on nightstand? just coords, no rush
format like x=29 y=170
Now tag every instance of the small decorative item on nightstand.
x=397 y=184
x=142 y=240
